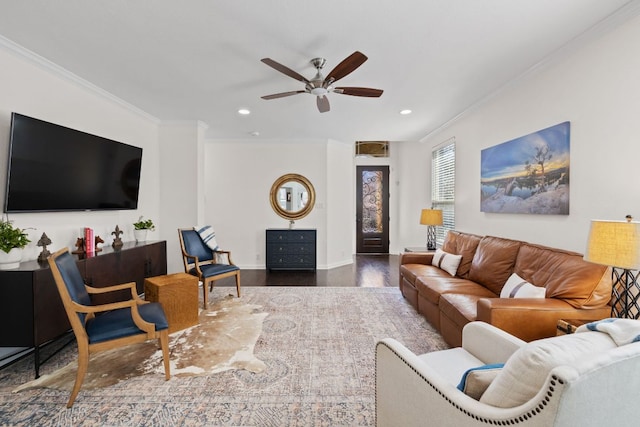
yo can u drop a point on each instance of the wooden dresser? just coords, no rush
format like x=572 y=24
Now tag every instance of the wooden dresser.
x=291 y=249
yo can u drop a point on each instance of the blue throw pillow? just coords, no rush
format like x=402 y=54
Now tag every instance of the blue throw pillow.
x=476 y=380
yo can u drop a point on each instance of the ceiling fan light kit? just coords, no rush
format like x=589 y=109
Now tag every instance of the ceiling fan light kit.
x=321 y=86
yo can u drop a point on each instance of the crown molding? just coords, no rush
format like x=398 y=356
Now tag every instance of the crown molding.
x=48 y=66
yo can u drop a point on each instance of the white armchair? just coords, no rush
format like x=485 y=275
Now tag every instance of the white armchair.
x=595 y=389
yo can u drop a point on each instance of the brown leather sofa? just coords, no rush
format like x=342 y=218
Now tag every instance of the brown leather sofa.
x=575 y=289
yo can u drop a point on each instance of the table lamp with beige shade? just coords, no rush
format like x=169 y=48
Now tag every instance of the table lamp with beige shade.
x=617 y=244
x=431 y=218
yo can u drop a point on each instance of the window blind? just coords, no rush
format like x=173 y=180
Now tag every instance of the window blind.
x=443 y=183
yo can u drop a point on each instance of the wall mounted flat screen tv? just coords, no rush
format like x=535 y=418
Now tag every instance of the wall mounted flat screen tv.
x=55 y=168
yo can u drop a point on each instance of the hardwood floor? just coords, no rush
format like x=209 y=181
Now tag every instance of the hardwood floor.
x=373 y=271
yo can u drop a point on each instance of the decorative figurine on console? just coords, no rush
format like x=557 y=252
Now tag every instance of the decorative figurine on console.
x=81 y=248
x=44 y=241
x=117 y=241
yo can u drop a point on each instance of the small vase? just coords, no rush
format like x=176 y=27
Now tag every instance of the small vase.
x=10 y=260
x=140 y=235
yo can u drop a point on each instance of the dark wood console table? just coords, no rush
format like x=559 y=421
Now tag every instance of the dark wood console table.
x=31 y=312
x=291 y=249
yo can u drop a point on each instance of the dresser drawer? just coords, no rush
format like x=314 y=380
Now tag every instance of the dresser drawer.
x=291 y=236
x=291 y=249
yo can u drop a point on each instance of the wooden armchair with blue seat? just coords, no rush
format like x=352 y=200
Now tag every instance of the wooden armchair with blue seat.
x=103 y=327
x=207 y=263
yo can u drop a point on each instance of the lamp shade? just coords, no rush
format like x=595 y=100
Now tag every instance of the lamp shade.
x=431 y=217
x=614 y=243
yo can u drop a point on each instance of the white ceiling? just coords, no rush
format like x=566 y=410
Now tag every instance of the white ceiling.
x=200 y=59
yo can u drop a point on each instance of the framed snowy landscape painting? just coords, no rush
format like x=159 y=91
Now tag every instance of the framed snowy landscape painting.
x=528 y=175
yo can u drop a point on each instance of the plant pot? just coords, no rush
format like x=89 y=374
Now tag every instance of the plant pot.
x=10 y=260
x=140 y=235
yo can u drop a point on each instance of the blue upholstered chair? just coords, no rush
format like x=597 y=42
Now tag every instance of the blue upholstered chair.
x=206 y=264
x=117 y=324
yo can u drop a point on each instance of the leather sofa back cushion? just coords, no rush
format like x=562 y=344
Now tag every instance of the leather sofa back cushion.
x=493 y=262
x=565 y=275
x=464 y=244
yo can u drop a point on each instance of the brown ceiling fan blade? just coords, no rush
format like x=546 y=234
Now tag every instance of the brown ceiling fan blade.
x=284 y=70
x=359 y=91
x=282 y=95
x=323 y=103
x=347 y=66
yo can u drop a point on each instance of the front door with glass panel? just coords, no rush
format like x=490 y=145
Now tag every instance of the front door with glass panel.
x=372 y=209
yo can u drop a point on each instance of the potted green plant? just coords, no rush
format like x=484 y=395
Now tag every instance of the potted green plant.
x=12 y=242
x=141 y=227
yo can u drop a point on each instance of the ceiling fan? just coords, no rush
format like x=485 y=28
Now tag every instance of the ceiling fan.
x=320 y=86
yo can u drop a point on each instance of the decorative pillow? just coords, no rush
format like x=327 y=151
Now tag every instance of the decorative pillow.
x=517 y=287
x=446 y=261
x=221 y=258
x=207 y=235
x=476 y=380
x=527 y=369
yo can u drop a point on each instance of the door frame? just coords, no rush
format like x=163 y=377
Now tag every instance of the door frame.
x=375 y=245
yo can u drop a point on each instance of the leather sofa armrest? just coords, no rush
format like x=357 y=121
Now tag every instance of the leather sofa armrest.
x=416 y=258
x=532 y=318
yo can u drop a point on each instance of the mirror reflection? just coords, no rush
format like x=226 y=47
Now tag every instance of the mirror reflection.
x=292 y=196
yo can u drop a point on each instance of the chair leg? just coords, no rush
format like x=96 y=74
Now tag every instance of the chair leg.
x=164 y=344
x=205 y=293
x=238 y=283
x=83 y=364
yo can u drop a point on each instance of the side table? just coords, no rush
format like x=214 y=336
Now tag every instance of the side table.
x=569 y=326
x=178 y=294
x=421 y=249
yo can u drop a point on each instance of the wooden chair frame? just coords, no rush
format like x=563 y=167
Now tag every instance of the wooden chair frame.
x=85 y=349
x=192 y=262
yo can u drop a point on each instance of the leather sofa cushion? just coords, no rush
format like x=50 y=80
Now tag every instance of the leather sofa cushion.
x=565 y=275
x=431 y=288
x=493 y=262
x=412 y=271
x=459 y=308
x=464 y=244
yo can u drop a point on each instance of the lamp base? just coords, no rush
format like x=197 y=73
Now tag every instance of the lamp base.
x=431 y=238
x=625 y=294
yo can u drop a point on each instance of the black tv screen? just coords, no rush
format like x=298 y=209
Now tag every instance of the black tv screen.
x=55 y=168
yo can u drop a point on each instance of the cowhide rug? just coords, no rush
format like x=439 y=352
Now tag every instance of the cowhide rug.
x=224 y=340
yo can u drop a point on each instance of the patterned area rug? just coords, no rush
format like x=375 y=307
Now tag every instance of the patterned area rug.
x=318 y=345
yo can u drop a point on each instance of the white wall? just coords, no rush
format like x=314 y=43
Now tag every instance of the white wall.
x=413 y=178
x=597 y=89
x=182 y=182
x=34 y=87
x=339 y=207
x=238 y=178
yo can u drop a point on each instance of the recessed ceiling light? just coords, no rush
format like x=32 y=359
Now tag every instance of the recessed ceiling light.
x=405 y=112
x=244 y=111
x=255 y=133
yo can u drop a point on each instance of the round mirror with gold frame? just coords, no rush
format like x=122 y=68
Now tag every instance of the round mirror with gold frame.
x=292 y=196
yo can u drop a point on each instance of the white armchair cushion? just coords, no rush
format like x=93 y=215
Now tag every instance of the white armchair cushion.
x=526 y=371
x=517 y=287
x=446 y=261
x=452 y=363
